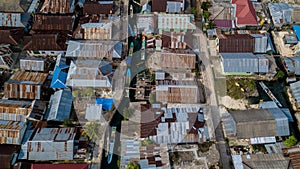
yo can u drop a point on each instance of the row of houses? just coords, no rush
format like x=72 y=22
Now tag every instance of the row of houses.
x=61 y=56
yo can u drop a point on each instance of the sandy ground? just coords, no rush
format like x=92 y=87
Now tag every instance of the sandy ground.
x=230 y=103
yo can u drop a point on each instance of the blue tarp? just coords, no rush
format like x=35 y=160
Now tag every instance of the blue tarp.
x=297 y=31
x=107 y=103
x=59 y=78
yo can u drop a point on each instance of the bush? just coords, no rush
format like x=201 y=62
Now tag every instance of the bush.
x=205 y=5
x=290 y=141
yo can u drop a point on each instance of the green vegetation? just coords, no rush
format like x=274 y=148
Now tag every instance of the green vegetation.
x=290 y=141
x=204 y=147
x=127 y=113
x=280 y=75
x=259 y=148
x=132 y=165
x=87 y=92
x=205 y=5
x=210 y=24
x=67 y=123
x=152 y=98
x=146 y=142
x=206 y=15
x=194 y=11
x=93 y=130
x=240 y=88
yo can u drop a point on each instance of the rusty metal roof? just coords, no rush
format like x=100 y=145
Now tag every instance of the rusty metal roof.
x=52 y=22
x=97 y=8
x=28 y=78
x=46 y=42
x=11 y=36
x=58 y=6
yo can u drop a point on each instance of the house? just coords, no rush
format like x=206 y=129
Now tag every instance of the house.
x=59 y=74
x=14 y=20
x=261 y=161
x=55 y=6
x=172 y=125
x=296 y=29
x=98 y=7
x=60 y=166
x=60 y=105
x=244 y=63
x=94 y=49
x=177 y=91
x=292 y=65
x=256 y=123
x=52 y=22
x=18 y=6
x=294 y=154
x=13 y=116
x=6 y=61
x=93 y=112
x=47 y=144
x=175 y=22
x=295 y=88
x=169 y=6
x=89 y=73
x=148 y=156
x=6 y=155
x=281 y=13
x=90 y=31
x=25 y=85
x=236 y=43
x=176 y=59
x=34 y=64
x=245 y=14
x=145 y=23
x=223 y=15
x=45 y=44
x=176 y=40
x=11 y=35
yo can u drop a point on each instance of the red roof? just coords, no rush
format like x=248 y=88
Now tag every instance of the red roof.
x=59 y=166
x=245 y=12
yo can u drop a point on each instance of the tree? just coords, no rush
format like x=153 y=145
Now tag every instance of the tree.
x=132 y=165
x=93 y=130
x=205 y=5
x=194 y=11
x=290 y=141
x=206 y=14
x=210 y=24
x=67 y=123
x=146 y=142
x=152 y=98
x=280 y=75
x=127 y=113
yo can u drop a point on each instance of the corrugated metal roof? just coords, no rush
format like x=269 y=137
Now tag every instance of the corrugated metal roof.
x=175 y=21
x=58 y=6
x=60 y=105
x=93 y=112
x=32 y=64
x=87 y=73
x=282 y=123
x=60 y=166
x=92 y=49
x=281 y=13
x=174 y=7
x=12 y=19
x=295 y=87
x=261 y=43
x=17 y=6
x=244 y=62
x=59 y=76
x=100 y=7
x=11 y=132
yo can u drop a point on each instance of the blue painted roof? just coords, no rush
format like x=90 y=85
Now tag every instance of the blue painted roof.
x=59 y=77
x=128 y=73
x=297 y=31
x=128 y=60
x=118 y=48
x=60 y=105
x=107 y=103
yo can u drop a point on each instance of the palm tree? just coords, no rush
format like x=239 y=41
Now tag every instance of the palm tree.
x=93 y=130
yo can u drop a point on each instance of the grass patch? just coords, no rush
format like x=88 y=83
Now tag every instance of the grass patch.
x=240 y=88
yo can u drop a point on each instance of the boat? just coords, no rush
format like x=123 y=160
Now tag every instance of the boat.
x=111 y=144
